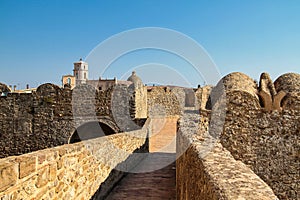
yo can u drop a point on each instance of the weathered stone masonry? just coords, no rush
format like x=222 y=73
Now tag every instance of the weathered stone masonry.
x=206 y=170
x=265 y=134
x=72 y=171
x=44 y=119
x=261 y=129
x=256 y=154
x=162 y=102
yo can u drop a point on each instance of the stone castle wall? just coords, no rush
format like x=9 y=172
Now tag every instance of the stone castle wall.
x=261 y=129
x=45 y=118
x=258 y=142
x=161 y=101
x=140 y=99
x=202 y=96
x=269 y=144
x=83 y=170
x=258 y=130
x=206 y=170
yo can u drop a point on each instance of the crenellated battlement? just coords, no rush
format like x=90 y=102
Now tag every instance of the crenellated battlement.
x=239 y=139
x=258 y=124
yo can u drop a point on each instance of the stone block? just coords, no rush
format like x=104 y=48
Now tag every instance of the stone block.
x=41 y=158
x=59 y=187
x=52 y=193
x=62 y=151
x=43 y=177
x=52 y=171
x=60 y=163
x=29 y=186
x=60 y=175
x=81 y=156
x=70 y=161
x=52 y=156
x=8 y=175
x=40 y=193
x=27 y=165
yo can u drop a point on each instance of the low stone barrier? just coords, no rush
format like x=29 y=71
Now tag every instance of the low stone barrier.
x=72 y=171
x=206 y=170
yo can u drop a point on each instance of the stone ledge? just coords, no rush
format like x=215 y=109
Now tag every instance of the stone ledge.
x=214 y=173
x=63 y=171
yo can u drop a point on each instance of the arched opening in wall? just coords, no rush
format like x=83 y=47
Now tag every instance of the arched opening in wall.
x=91 y=130
x=69 y=81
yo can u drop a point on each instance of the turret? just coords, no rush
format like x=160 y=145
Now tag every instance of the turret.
x=138 y=101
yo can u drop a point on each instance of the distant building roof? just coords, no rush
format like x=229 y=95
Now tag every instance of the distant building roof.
x=137 y=82
x=68 y=75
x=124 y=82
x=80 y=61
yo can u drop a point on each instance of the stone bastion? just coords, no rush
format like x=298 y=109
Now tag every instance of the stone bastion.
x=239 y=141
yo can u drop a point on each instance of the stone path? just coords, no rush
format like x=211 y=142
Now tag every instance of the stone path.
x=154 y=185
x=155 y=176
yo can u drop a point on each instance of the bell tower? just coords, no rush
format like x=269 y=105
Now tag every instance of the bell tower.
x=81 y=72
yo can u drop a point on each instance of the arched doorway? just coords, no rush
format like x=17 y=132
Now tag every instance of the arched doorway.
x=91 y=130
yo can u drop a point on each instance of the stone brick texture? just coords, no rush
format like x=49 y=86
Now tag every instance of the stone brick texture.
x=46 y=118
x=259 y=139
x=71 y=171
x=289 y=83
x=241 y=141
x=268 y=143
x=162 y=102
x=206 y=170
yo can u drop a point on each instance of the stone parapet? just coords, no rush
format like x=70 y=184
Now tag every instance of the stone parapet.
x=45 y=118
x=72 y=171
x=267 y=142
x=206 y=170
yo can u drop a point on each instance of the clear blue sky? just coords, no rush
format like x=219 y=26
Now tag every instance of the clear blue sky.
x=40 y=39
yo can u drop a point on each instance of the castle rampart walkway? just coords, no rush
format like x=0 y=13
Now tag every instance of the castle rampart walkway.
x=156 y=179
x=155 y=185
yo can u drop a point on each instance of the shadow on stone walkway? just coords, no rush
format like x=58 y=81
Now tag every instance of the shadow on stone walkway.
x=149 y=184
